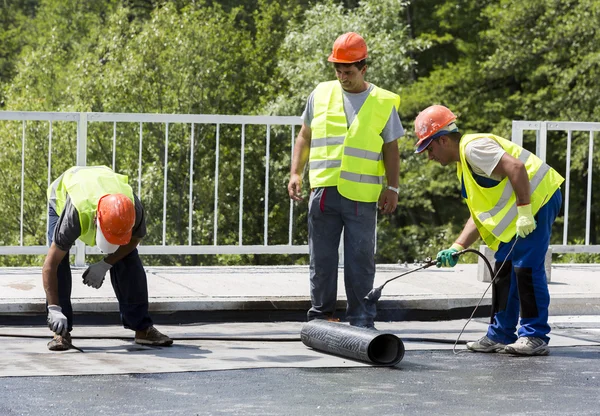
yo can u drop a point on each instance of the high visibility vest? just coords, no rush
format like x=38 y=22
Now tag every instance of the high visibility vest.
x=85 y=185
x=349 y=157
x=494 y=210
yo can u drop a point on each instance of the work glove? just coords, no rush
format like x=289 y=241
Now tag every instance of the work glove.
x=57 y=321
x=94 y=275
x=446 y=259
x=525 y=221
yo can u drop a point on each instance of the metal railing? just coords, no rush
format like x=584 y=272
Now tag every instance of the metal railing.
x=168 y=122
x=542 y=129
x=31 y=132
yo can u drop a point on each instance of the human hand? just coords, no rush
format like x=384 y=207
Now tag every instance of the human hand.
x=388 y=201
x=295 y=187
x=94 y=275
x=525 y=221
x=445 y=257
x=57 y=321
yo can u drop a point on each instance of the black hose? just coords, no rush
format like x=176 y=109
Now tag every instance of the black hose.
x=471 y=250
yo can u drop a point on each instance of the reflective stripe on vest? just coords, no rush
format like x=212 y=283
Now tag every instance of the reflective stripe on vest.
x=85 y=185
x=349 y=157
x=494 y=209
x=361 y=178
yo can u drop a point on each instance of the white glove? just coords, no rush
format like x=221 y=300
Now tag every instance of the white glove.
x=525 y=221
x=94 y=275
x=57 y=321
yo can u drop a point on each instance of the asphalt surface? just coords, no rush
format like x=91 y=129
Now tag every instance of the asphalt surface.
x=264 y=369
x=434 y=382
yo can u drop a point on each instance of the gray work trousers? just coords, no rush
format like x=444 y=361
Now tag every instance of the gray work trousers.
x=329 y=213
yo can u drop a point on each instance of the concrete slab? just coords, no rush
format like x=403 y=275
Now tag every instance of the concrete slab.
x=575 y=289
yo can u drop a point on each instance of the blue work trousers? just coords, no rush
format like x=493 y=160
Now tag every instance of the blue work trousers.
x=328 y=214
x=521 y=286
x=128 y=279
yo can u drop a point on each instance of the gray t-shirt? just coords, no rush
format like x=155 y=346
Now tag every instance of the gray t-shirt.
x=393 y=129
x=483 y=156
x=68 y=229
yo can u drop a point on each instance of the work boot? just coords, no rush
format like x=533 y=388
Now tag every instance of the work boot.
x=484 y=344
x=528 y=346
x=58 y=342
x=152 y=336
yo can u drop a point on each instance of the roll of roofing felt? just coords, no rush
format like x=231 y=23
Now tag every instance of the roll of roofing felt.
x=361 y=344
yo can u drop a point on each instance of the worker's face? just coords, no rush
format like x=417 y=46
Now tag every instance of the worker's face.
x=351 y=78
x=438 y=151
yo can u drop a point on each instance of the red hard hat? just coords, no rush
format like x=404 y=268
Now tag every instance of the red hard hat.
x=348 y=48
x=434 y=119
x=116 y=217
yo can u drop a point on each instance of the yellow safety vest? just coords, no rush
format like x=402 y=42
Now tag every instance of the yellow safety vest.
x=494 y=210
x=86 y=185
x=349 y=157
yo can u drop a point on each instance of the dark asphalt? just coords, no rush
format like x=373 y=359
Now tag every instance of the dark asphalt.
x=425 y=383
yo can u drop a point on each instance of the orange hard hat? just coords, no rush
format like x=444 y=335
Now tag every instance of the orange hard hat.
x=116 y=217
x=434 y=121
x=348 y=48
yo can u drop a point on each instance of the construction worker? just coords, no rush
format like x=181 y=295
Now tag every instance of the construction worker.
x=349 y=139
x=97 y=206
x=513 y=198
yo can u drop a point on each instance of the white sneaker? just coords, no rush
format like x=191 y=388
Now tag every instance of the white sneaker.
x=484 y=344
x=528 y=346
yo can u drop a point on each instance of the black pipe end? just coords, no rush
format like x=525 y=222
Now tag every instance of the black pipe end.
x=386 y=349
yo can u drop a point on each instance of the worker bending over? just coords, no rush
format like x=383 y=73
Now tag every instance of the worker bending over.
x=97 y=206
x=514 y=198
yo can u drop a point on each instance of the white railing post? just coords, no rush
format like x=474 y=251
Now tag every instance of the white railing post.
x=588 y=204
x=542 y=141
x=517 y=134
x=81 y=161
x=22 y=184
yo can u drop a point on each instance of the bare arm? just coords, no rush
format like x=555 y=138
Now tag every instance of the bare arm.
x=469 y=234
x=388 y=200
x=49 y=273
x=301 y=154
x=515 y=170
x=391 y=160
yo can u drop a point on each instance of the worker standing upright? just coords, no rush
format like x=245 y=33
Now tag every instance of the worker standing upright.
x=513 y=198
x=349 y=140
x=97 y=206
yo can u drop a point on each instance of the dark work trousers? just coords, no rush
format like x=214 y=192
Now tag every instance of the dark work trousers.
x=128 y=279
x=329 y=213
x=521 y=286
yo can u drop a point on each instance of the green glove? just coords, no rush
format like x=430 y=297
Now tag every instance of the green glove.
x=445 y=257
x=525 y=221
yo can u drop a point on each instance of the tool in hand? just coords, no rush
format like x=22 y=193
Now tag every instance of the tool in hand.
x=374 y=295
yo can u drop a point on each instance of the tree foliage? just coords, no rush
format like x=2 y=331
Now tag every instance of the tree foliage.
x=490 y=61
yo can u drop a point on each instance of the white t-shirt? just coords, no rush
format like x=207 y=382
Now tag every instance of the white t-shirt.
x=483 y=156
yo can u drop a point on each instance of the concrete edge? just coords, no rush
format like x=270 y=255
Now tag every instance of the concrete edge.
x=564 y=305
